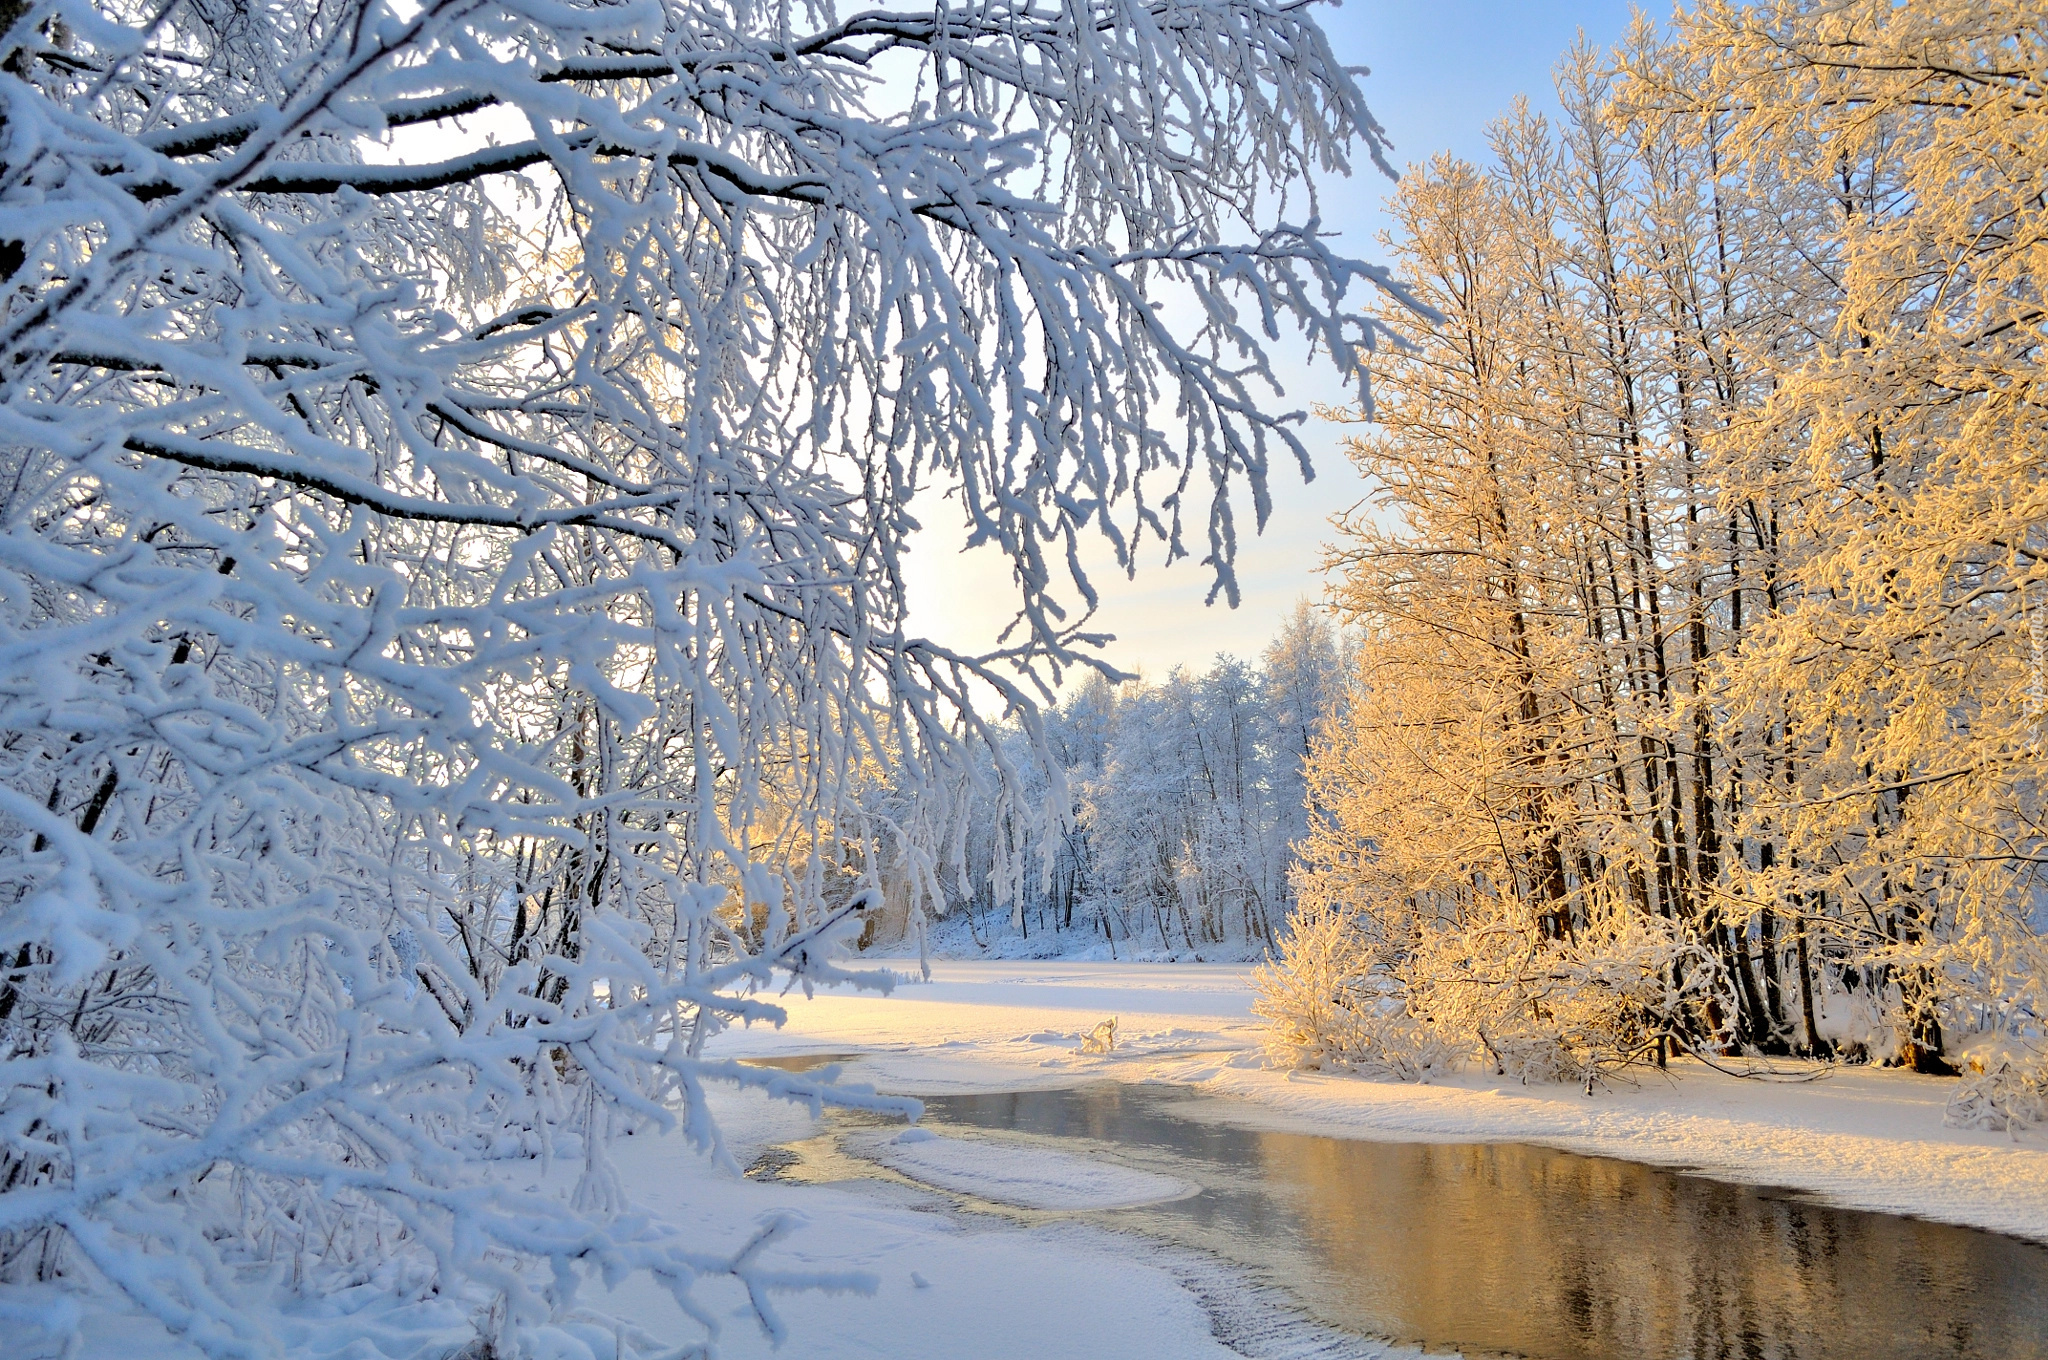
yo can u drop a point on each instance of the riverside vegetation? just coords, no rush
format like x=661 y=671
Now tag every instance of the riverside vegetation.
x=1703 y=605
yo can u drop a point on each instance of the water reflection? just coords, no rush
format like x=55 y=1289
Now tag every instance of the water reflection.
x=1519 y=1250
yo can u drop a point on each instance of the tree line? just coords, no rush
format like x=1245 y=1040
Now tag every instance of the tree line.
x=1177 y=805
x=1703 y=597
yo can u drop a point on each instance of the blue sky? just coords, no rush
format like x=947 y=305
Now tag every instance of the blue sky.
x=1441 y=71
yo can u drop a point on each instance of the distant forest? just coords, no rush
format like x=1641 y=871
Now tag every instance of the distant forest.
x=1185 y=799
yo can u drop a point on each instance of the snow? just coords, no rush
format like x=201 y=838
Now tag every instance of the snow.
x=1027 y=1177
x=941 y=1287
x=952 y=1284
x=1858 y=1137
x=944 y=1287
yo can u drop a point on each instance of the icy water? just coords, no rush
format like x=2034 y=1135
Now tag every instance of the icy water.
x=1509 y=1249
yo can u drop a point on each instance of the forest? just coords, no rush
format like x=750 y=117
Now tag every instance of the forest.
x=1702 y=607
x=1186 y=803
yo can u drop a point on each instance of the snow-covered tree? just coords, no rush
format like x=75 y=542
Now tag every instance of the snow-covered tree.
x=456 y=463
x=1305 y=671
x=1499 y=821
x=1904 y=679
x=1187 y=800
x=1699 y=691
x=1184 y=822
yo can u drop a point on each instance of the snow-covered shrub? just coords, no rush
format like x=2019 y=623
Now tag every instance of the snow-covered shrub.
x=1318 y=997
x=1345 y=994
x=456 y=464
x=2004 y=1087
x=1854 y=1021
x=1330 y=1004
x=2004 y=1064
x=1564 y=1010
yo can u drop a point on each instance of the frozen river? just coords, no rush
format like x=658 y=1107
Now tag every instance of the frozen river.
x=1506 y=1248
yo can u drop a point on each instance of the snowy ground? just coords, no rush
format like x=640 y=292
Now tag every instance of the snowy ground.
x=990 y=935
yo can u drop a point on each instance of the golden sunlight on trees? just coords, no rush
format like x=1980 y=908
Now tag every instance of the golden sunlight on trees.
x=1704 y=598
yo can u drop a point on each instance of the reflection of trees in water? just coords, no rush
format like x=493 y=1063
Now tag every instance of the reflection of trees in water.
x=1521 y=1249
x=1543 y=1254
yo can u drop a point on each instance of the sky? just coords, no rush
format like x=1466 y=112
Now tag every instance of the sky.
x=1441 y=71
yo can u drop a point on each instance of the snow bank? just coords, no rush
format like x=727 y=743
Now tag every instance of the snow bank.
x=1010 y=1173
x=942 y=1287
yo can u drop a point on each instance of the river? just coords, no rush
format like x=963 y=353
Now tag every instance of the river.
x=1511 y=1249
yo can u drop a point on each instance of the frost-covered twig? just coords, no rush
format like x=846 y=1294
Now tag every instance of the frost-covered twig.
x=457 y=466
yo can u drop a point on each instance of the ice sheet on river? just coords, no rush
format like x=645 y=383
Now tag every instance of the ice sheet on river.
x=1010 y=1173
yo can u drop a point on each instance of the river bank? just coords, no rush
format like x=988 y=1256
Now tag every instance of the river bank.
x=1856 y=1137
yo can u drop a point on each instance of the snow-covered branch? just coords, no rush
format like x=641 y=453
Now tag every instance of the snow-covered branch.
x=456 y=473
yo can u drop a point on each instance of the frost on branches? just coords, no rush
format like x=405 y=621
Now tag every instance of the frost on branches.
x=1702 y=660
x=1187 y=803
x=455 y=469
